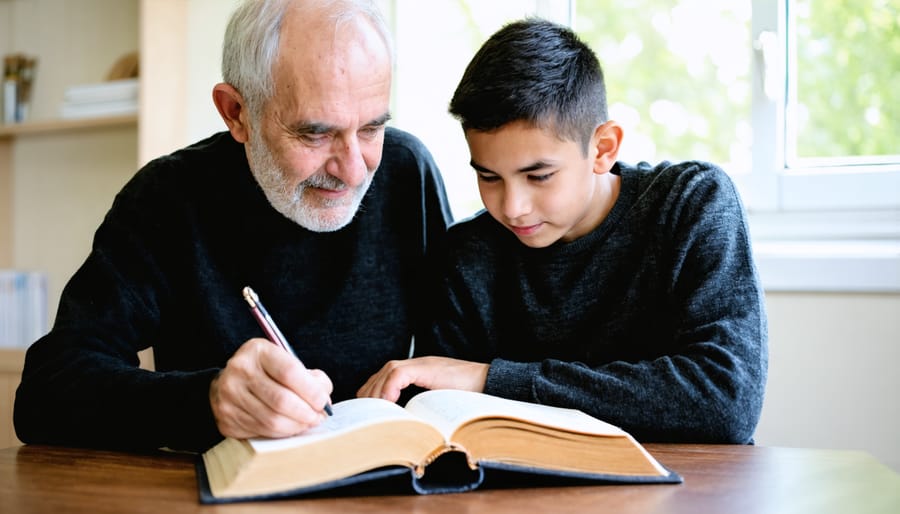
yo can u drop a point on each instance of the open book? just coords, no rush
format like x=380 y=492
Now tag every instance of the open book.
x=370 y=439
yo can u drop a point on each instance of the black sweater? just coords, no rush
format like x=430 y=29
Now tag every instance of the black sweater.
x=166 y=270
x=655 y=321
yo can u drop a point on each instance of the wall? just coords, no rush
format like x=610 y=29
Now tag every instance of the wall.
x=60 y=189
x=61 y=193
x=833 y=381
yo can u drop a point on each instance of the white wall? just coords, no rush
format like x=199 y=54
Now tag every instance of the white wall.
x=833 y=379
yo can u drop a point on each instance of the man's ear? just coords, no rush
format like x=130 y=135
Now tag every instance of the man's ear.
x=233 y=111
x=605 y=146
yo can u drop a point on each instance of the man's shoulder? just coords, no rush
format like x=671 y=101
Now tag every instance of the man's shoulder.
x=401 y=146
x=189 y=169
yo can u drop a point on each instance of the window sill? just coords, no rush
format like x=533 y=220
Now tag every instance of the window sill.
x=829 y=266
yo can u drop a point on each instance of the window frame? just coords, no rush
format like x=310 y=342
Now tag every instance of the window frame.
x=846 y=185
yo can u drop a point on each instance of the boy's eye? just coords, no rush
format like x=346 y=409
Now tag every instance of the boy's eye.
x=541 y=178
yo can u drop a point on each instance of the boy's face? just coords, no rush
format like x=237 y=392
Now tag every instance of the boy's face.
x=540 y=187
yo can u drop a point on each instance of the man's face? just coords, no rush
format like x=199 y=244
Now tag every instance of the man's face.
x=540 y=187
x=316 y=147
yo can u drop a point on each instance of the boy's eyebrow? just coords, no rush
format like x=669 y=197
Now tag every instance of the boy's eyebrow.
x=537 y=165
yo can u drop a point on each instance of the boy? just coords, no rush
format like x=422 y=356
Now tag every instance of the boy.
x=628 y=292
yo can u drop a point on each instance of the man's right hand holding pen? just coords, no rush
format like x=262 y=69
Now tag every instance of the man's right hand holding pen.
x=264 y=391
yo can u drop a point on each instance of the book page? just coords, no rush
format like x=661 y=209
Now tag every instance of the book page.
x=449 y=409
x=348 y=415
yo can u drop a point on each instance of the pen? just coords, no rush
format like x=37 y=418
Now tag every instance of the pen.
x=271 y=329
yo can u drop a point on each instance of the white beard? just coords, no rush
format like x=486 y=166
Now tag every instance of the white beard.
x=327 y=216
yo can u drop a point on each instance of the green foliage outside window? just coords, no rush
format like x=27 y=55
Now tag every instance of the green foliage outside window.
x=678 y=72
x=848 y=77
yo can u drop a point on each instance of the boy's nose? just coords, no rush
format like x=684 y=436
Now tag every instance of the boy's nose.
x=516 y=203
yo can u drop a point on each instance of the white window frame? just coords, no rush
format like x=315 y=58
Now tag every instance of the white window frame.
x=818 y=228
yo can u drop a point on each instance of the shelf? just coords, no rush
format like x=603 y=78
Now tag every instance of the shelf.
x=12 y=360
x=51 y=126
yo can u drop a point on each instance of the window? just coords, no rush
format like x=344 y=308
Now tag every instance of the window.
x=799 y=100
x=434 y=42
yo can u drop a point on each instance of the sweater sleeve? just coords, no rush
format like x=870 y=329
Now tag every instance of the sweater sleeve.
x=81 y=383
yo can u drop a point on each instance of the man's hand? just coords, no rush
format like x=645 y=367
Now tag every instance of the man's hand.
x=265 y=392
x=427 y=372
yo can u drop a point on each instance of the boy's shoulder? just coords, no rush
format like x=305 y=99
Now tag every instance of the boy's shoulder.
x=680 y=182
x=670 y=172
x=674 y=174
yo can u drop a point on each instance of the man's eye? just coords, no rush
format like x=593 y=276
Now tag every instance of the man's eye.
x=371 y=131
x=314 y=139
x=488 y=178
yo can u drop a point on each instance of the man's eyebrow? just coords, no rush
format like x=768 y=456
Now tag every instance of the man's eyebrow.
x=314 y=127
x=535 y=166
x=381 y=120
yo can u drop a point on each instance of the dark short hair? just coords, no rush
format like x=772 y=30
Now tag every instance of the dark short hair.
x=535 y=71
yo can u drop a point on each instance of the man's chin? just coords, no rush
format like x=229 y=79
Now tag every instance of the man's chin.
x=324 y=220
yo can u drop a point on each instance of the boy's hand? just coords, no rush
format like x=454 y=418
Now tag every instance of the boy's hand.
x=264 y=391
x=427 y=372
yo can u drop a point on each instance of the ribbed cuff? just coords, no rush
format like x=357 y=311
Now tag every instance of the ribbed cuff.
x=513 y=380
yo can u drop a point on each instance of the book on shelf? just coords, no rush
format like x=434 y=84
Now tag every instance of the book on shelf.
x=442 y=441
x=96 y=109
x=111 y=98
x=111 y=90
x=23 y=307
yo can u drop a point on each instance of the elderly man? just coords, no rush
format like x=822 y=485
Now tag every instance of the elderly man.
x=308 y=197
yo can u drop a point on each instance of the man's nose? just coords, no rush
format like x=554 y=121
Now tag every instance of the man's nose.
x=347 y=162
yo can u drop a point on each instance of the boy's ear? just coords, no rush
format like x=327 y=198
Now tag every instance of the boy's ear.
x=605 y=146
x=230 y=105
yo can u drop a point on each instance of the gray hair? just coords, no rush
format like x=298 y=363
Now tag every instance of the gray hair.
x=252 y=39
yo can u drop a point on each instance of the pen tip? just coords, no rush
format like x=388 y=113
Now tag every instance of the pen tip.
x=328 y=409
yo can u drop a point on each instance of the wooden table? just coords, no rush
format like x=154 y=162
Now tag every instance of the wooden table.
x=717 y=479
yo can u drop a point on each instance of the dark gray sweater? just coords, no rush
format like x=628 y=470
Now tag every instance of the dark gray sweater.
x=654 y=321
x=168 y=263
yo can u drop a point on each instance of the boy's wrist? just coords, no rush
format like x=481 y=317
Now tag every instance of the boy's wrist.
x=512 y=380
